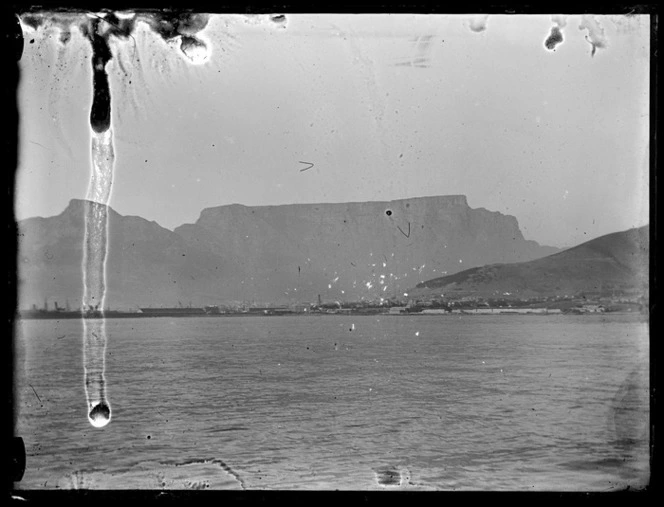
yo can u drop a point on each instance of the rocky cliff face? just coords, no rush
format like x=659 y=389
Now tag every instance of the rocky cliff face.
x=275 y=254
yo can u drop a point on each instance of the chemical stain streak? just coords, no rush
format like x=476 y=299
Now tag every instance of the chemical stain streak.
x=98 y=28
x=596 y=37
x=96 y=225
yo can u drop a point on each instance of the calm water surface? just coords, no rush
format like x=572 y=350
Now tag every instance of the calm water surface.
x=341 y=402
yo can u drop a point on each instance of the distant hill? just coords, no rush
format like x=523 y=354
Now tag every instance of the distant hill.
x=609 y=264
x=277 y=254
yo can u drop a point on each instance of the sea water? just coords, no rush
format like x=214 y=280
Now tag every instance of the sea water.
x=440 y=402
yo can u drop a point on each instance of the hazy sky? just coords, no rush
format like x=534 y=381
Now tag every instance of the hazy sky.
x=384 y=106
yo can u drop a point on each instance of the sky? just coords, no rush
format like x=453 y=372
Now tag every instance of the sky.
x=384 y=107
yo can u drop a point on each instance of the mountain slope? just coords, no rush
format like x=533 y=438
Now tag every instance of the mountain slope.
x=613 y=263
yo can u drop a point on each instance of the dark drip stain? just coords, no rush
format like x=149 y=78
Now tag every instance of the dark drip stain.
x=388 y=477
x=121 y=28
x=65 y=37
x=170 y=24
x=555 y=38
x=100 y=112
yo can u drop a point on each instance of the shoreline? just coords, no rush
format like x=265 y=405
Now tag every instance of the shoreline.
x=129 y=315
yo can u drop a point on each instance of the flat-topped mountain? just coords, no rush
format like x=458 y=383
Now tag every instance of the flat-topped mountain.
x=353 y=250
x=278 y=254
x=611 y=264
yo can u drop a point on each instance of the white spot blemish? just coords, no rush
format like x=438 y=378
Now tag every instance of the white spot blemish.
x=559 y=20
x=478 y=23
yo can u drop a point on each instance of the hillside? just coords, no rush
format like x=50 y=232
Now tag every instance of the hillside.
x=615 y=263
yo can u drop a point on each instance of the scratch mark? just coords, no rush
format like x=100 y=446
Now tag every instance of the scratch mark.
x=60 y=337
x=39 y=144
x=400 y=229
x=33 y=390
x=306 y=168
x=421 y=59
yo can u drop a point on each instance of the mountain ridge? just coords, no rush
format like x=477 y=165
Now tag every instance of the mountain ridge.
x=275 y=253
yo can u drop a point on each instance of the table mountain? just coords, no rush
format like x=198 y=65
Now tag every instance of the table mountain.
x=275 y=254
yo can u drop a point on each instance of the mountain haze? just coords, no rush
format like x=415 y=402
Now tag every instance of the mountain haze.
x=275 y=254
